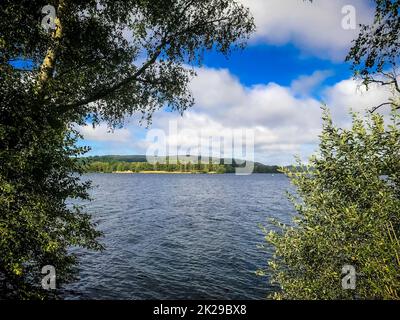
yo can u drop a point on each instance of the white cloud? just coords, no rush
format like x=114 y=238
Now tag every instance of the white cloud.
x=352 y=95
x=305 y=84
x=315 y=28
x=103 y=134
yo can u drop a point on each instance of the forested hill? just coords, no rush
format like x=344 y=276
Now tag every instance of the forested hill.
x=190 y=164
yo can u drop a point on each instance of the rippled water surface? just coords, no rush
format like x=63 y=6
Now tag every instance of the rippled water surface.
x=180 y=236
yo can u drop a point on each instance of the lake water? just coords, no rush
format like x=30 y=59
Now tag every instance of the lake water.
x=180 y=236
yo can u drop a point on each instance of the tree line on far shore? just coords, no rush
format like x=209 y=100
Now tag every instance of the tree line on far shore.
x=110 y=165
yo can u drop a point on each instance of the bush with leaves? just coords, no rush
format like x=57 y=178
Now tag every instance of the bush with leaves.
x=348 y=213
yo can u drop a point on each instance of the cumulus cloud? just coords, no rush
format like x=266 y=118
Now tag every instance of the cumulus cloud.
x=315 y=28
x=352 y=95
x=305 y=84
x=103 y=134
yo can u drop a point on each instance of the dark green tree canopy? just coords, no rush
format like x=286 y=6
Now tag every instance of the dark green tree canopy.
x=105 y=59
x=112 y=58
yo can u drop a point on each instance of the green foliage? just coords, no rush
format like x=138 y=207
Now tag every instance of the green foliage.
x=105 y=60
x=348 y=213
x=38 y=173
x=114 y=58
x=378 y=46
x=375 y=53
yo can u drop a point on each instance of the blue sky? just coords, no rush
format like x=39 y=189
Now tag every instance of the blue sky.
x=273 y=89
x=263 y=63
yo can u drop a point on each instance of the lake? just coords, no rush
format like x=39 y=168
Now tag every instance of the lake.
x=180 y=236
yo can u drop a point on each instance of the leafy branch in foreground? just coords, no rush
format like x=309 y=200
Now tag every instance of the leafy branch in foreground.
x=37 y=227
x=375 y=53
x=106 y=59
x=348 y=213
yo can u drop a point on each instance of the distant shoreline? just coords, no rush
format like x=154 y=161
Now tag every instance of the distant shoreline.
x=161 y=172
x=189 y=165
x=176 y=173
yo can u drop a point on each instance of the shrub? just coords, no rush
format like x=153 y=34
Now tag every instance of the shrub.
x=348 y=213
